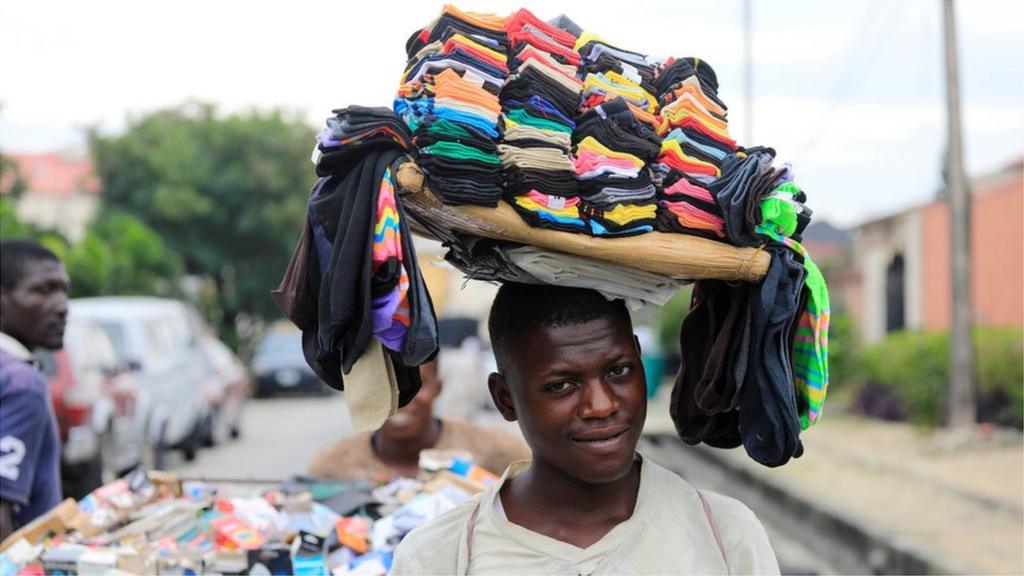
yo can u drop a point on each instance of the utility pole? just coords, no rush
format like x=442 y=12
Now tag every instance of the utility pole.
x=961 y=354
x=748 y=75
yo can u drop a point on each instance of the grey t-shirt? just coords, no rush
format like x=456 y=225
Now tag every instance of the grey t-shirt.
x=669 y=533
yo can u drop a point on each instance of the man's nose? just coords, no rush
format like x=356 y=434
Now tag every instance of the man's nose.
x=598 y=400
x=59 y=302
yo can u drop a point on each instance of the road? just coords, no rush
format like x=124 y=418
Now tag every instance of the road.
x=281 y=435
x=279 y=438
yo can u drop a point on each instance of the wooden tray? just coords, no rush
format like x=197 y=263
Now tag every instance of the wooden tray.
x=676 y=255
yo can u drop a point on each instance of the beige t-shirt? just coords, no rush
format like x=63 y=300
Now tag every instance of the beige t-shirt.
x=669 y=533
x=353 y=457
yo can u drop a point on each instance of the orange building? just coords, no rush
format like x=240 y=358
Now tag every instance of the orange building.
x=62 y=191
x=902 y=261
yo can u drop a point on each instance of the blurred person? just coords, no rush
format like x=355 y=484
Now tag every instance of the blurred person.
x=394 y=450
x=569 y=371
x=463 y=397
x=33 y=314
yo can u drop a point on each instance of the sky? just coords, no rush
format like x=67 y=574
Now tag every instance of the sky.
x=851 y=93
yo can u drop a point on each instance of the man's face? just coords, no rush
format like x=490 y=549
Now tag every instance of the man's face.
x=579 y=395
x=415 y=417
x=36 y=310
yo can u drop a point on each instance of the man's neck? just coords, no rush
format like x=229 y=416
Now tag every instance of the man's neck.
x=405 y=452
x=548 y=501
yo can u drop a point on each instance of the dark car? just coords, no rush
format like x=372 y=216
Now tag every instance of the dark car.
x=278 y=366
x=96 y=402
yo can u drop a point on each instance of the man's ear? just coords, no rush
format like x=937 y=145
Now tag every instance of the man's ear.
x=501 y=395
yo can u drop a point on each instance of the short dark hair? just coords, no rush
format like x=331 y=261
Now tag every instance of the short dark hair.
x=15 y=253
x=520 y=308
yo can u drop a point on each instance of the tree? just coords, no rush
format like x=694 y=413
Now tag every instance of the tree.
x=227 y=193
x=12 y=183
x=117 y=256
x=10 y=225
x=139 y=260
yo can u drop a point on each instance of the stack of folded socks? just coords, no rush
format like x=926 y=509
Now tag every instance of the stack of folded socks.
x=611 y=151
x=353 y=127
x=609 y=72
x=538 y=103
x=449 y=98
x=695 y=143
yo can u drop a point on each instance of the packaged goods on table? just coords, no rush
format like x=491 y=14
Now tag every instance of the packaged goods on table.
x=159 y=524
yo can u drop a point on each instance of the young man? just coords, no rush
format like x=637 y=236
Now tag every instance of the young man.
x=33 y=313
x=394 y=450
x=569 y=372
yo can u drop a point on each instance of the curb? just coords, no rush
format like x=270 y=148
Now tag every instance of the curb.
x=844 y=542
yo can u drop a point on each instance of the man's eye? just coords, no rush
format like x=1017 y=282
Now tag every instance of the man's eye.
x=558 y=386
x=621 y=370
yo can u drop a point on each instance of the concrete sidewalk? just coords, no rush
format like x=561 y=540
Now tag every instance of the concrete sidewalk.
x=958 y=509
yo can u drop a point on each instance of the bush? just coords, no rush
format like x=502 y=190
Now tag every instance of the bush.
x=843 y=350
x=913 y=367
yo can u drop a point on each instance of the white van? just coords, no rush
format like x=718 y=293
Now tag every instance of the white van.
x=159 y=340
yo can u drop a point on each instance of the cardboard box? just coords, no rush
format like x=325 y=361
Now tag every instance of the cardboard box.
x=308 y=556
x=165 y=482
x=97 y=562
x=276 y=558
x=134 y=560
x=227 y=562
x=353 y=532
x=232 y=533
x=56 y=520
x=63 y=558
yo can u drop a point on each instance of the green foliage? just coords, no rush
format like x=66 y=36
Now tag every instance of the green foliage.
x=227 y=193
x=12 y=183
x=1000 y=373
x=843 y=350
x=10 y=225
x=138 y=259
x=118 y=255
x=671 y=317
x=915 y=366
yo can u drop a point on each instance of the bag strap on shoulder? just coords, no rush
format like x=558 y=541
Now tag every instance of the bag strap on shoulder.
x=714 y=526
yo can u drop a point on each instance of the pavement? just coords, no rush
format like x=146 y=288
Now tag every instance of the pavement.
x=947 y=503
x=279 y=438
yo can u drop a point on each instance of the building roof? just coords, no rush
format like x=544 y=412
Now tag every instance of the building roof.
x=57 y=174
x=1011 y=174
x=825 y=233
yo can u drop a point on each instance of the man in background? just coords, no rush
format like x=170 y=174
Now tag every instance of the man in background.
x=33 y=314
x=394 y=450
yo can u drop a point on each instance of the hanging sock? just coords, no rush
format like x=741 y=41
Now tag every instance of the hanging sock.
x=780 y=214
x=371 y=389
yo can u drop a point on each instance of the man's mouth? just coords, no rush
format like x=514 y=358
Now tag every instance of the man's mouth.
x=56 y=327
x=604 y=439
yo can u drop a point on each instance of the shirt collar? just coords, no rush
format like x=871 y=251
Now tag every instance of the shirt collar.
x=13 y=347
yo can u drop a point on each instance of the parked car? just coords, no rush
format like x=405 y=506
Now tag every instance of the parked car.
x=226 y=391
x=95 y=400
x=278 y=365
x=160 y=341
